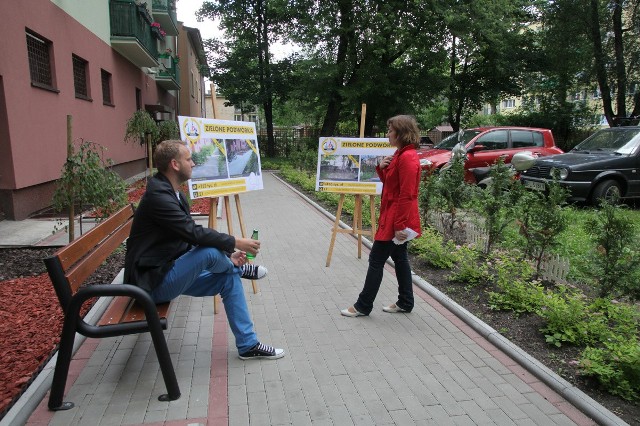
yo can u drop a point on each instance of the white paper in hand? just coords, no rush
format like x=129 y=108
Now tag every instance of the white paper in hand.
x=411 y=234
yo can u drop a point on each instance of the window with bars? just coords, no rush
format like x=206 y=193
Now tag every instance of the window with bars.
x=80 y=81
x=38 y=50
x=107 y=99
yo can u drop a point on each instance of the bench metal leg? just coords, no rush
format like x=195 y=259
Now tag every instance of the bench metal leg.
x=62 y=364
x=162 y=352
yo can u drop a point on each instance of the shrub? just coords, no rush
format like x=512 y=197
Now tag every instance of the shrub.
x=432 y=249
x=616 y=366
x=469 y=268
x=542 y=220
x=518 y=292
x=615 y=260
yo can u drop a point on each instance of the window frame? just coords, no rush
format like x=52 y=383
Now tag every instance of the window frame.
x=109 y=89
x=84 y=68
x=45 y=61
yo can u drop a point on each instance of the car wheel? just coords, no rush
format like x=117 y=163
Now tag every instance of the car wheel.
x=608 y=190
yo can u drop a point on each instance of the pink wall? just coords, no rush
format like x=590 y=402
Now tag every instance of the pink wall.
x=33 y=148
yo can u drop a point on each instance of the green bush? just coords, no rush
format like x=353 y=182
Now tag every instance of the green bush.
x=615 y=260
x=565 y=315
x=616 y=366
x=469 y=267
x=432 y=249
x=517 y=291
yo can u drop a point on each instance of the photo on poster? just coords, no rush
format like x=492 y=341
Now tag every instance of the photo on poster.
x=242 y=160
x=210 y=161
x=368 y=165
x=339 y=168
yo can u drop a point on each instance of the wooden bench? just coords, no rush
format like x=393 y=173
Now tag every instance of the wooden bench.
x=131 y=311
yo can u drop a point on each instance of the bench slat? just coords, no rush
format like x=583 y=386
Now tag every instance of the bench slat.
x=83 y=269
x=125 y=309
x=77 y=249
x=114 y=313
x=136 y=313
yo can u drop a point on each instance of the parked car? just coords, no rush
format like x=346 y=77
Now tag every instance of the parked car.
x=605 y=165
x=485 y=145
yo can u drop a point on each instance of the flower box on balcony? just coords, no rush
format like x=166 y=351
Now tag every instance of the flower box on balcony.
x=157 y=33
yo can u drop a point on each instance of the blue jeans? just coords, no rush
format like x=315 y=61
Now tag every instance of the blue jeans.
x=380 y=252
x=206 y=271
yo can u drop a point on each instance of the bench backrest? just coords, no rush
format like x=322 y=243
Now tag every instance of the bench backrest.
x=70 y=266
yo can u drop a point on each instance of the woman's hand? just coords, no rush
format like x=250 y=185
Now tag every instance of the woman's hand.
x=401 y=235
x=238 y=258
x=385 y=162
x=248 y=245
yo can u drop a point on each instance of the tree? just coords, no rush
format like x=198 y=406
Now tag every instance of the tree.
x=243 y=63
x=382 y=53
x=486 y=41
x=603 y=52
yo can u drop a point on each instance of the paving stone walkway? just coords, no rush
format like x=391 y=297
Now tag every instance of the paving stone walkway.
x=423 y=368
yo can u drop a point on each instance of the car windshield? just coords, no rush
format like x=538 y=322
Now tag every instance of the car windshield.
x=450 y=141
x=619 y=140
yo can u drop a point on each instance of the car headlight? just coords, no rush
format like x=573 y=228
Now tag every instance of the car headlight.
x=559 y=173
x=425 y=163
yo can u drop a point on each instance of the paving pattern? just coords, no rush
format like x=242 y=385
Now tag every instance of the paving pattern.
x=423 y=368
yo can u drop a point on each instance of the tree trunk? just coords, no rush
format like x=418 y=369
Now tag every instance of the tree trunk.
x=621 y=74
x=600 y=65
x=334 y=105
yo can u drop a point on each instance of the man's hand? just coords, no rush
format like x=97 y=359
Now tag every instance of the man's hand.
x=248 y=245
x=238 y=258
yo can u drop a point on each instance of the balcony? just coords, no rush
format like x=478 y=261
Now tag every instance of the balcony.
x=131 y=33
x=164 y=12
x=168 y=76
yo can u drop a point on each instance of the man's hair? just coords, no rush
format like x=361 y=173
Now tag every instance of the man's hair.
x=406 y=129
x=165 y=152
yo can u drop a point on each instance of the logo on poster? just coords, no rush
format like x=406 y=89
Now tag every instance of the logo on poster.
x=329 y=146
x=192 y=130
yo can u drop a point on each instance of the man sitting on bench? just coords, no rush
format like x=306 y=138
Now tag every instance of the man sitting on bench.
x=168 y=254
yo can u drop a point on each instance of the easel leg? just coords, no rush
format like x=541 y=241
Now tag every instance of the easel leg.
x=372 y=208
x=357 y=222
x=336 y=224
x=213 y=221
x=254 y=284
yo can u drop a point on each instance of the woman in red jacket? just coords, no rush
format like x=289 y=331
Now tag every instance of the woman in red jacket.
x=400 y=175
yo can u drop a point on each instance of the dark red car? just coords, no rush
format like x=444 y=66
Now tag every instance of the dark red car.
x=485 y=145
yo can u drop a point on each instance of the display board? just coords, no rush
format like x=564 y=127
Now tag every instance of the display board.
x=226 y=155
x=348 y=165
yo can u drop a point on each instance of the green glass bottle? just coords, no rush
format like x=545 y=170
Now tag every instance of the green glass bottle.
x=254 y=236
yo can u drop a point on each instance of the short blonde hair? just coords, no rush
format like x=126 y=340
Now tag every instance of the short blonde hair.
x=406 y=129
x=165 y=152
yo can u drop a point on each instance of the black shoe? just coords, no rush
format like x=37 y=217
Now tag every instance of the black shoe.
x=262 y=351
x=253 y=272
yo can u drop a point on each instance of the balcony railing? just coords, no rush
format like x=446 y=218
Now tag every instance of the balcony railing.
x=131 y=33
x=164 y=12
x=168 y=72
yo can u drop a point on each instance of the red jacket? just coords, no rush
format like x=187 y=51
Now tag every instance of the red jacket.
x=399 y=205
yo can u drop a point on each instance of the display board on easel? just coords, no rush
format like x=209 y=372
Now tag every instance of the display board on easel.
x=227 y=158
x=348 y=166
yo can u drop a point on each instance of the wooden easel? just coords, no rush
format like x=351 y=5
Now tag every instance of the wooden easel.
x=213 y=209
x=357 y=223
x=213 y=221
x=357 y=211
